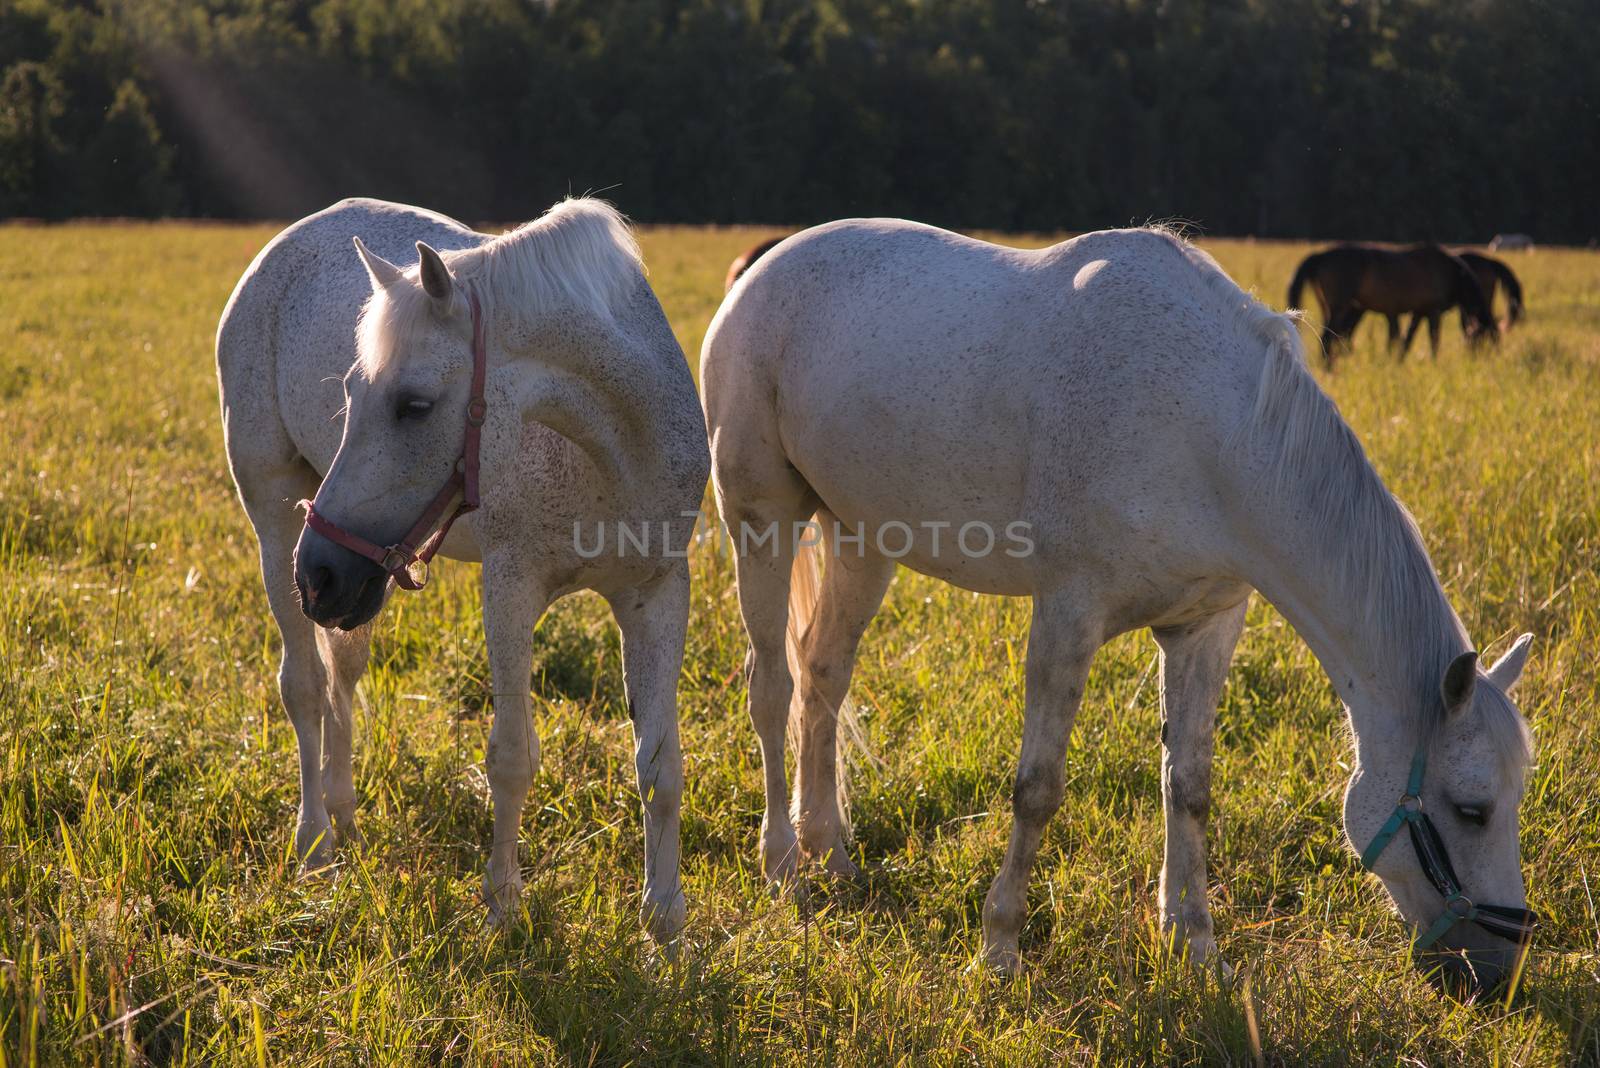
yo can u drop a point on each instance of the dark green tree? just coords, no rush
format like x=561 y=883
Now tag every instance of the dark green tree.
x=127 y=169
x=31 y=103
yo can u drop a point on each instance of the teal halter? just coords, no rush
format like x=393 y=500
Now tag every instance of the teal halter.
x=1513 y=924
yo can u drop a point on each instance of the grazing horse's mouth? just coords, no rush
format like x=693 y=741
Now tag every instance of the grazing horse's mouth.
x=338 y=589
x=368 y=603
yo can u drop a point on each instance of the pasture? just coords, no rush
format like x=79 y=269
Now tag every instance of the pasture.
x=151 y=910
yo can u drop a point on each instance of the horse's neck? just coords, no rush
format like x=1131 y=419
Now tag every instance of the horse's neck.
x=602 y=389
x=1383 y=652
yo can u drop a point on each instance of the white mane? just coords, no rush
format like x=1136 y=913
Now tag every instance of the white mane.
x=581 y=253
x=1378 y=550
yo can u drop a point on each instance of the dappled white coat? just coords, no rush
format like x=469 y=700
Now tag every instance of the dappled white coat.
x=593 y=420
x=1156 y=430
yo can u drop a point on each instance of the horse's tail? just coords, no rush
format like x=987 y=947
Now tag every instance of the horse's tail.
x=1513 y=289
x=1302 y=275
x=805 y=586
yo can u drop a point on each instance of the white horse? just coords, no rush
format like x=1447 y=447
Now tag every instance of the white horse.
x=589 y=419
x=1154 y=431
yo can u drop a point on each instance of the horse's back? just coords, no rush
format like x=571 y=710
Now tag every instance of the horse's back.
x=909 y=304
x=287 y=335
x=903 y=368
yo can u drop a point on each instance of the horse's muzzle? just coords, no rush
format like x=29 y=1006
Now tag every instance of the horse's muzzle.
x=1476 y=965
x=338 y=588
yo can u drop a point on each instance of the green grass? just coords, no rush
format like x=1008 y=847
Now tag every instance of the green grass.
x=150 y=911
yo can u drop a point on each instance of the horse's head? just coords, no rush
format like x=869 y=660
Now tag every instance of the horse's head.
x=1479 y=329
x=1474 y=764
x=1478 y=323
x=406 y=399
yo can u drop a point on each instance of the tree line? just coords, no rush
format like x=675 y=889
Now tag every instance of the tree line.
x=1388 y=119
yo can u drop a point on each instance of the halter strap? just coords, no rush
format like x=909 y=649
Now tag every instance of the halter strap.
x=1409 y=809
x=1513 y=924
x=418 y=546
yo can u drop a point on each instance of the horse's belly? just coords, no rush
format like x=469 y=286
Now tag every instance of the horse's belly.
x=942 y=514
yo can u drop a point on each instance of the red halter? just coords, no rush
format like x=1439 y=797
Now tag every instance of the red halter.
x=399 y=559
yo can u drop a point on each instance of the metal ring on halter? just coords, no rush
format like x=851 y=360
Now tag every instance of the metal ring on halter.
x=419 y=571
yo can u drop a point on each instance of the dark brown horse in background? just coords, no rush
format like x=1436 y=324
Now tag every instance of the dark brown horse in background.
x=1423 y=281
x=742 y=262
x=1491 y=274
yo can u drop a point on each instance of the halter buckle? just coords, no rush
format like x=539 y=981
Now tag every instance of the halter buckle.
x=477 y=410
x=394 y=560
x=1410 y=803
x=1460 y=906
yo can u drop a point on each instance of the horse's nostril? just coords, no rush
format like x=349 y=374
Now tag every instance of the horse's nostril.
x=322 y=581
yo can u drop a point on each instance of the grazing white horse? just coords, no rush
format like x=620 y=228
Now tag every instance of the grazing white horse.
x=1154 y=430
x=589 y=420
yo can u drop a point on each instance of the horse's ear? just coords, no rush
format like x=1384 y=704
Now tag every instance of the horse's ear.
x=381 y=271
x=1508 y=669
x=1460 y=678
x=436 y=280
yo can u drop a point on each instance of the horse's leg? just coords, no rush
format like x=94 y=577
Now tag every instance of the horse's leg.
x=761 y=497
x=344 y=657
x=1411 y=333
x=763 y=578
x=1337 y=330
x=1347 y=326
x=1433 y=336
x=512 y=605
x=1394 y=332
x=302 y=682
x=1330 y=338
x=653 y=620
x=1194 y=664
x=1061 y=643
x=853 y=585
x=1327 y=337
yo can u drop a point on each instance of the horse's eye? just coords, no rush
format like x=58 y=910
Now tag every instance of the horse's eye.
x=412 y=408
x=1474 y=814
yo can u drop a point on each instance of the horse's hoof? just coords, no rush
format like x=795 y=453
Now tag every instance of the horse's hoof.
x=1003 y=958
x=313 y=844
x=780 y=863
x=1203 y=956
x=503 y=899
x=346 y=832
x=664 y=920
x=837 y=863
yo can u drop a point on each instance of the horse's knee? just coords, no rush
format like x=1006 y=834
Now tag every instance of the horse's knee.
x=770 y=685
x=660 y=782
x=1188 y=791
x=1037 y=794
x=301 y=687
x=512 y=767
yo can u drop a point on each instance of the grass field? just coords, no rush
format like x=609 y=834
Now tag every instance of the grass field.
x=150 y=910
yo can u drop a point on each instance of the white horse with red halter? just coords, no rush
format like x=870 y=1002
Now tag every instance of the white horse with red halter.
x=1155 y=431
x=527 y=384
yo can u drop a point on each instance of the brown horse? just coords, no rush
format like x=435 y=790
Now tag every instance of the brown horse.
x=1491 y=274
x=1424 y=280
x=742 y=262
